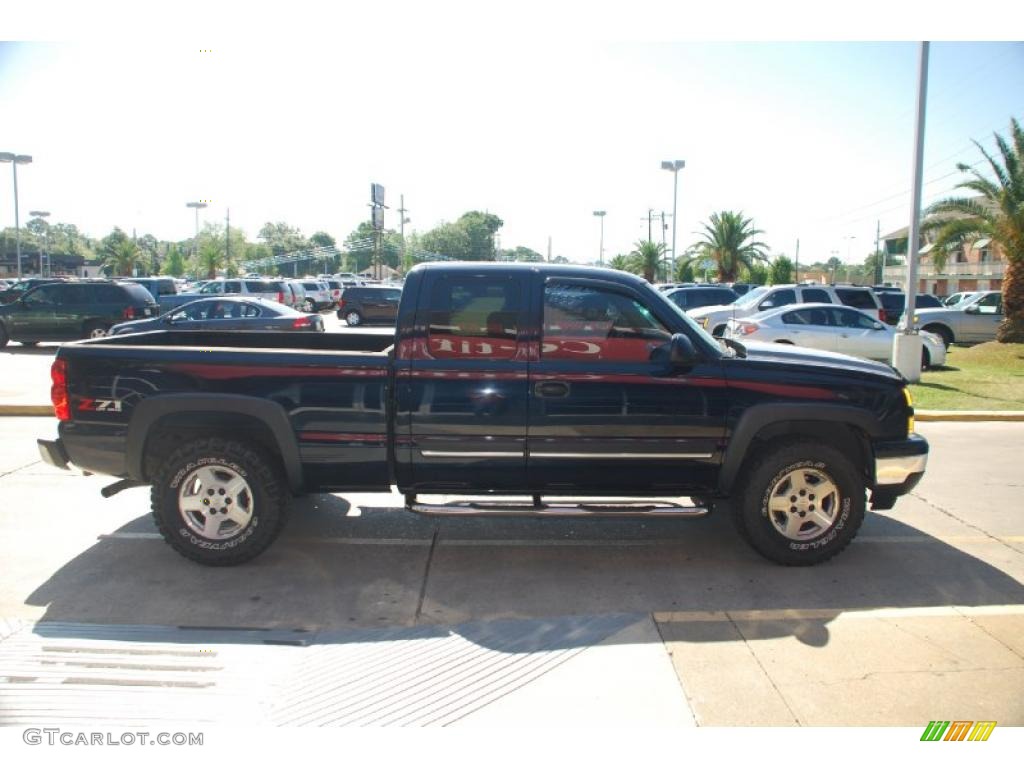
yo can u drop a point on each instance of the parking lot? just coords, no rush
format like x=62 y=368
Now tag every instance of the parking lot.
x=471 y=621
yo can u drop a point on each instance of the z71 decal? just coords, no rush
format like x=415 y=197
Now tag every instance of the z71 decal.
x=96 y=404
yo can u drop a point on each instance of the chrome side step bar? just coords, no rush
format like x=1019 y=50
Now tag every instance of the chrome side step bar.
x=516 y=508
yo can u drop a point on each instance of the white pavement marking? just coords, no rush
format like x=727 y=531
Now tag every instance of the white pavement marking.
x=838 y=614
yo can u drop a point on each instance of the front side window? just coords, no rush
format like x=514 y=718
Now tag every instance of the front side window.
x=46 y=294
x=214 y=287
x=779 y=298
x=816 y=316
x=583 y=322
x=991 y=304
x=474 y=317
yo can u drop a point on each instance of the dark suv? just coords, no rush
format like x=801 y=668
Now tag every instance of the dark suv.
x=73 y=310
x=369 y=304
x=21 y=287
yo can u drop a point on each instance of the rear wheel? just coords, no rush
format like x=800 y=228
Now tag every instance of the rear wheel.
x=803 y=503
x=353 y=318
x=218 y=502
x=95 y=330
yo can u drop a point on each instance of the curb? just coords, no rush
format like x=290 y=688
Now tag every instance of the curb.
x=26 y=410
x=969 y=415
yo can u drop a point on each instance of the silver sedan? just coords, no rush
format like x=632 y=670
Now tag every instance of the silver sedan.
x=832 y=328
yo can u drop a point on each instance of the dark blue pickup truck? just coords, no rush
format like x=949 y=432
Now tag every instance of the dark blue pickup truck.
x=549 y=383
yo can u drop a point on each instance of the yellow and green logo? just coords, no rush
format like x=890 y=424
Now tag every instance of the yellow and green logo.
x=958 y=730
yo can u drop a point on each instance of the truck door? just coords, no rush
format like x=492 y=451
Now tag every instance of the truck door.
x=462 y=400
x=607 y=412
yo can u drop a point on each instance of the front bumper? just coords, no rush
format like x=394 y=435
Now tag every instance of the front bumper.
x=53 y=453
x=899 y=467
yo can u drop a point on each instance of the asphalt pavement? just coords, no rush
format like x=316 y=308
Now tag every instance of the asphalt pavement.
x=398 y=619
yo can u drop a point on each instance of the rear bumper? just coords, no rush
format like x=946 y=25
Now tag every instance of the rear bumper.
x=53 y=453
x=899 y=467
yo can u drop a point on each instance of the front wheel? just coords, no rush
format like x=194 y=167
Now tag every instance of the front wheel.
x=218 y=502
x=353 y=318
x=803 y=503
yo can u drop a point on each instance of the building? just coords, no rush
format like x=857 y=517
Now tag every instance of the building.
x=975 y=266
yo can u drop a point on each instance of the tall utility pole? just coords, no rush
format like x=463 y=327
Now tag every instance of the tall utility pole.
x=227 y=239
x=46 y=238
x=650 y=225
x=402 y=221
x=549 y=249
x=195 y=241
x=906 y=344
x=675 y=166
x=796 y=267
x=600 y=251
x=16 y=160
x=879 y=267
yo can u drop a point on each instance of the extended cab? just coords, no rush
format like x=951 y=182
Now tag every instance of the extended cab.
x=545 y=381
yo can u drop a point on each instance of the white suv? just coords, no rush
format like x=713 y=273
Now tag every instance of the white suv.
x=715 y=318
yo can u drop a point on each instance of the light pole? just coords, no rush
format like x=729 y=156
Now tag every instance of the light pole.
x=46 y=234
x=600 y=252
x=15 y=161
x=675 y=166
x=195 y=241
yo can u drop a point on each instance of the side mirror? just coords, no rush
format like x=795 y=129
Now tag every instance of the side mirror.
x=682 y=353
x=766 y=304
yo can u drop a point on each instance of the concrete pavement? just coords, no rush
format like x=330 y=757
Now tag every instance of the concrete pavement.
x=922 y=613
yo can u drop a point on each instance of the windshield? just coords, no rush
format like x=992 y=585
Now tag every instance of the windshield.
x=752 y=297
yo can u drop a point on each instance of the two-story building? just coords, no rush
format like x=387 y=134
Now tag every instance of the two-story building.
x=977 y=265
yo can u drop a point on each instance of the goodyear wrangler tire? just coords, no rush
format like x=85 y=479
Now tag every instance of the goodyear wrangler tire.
x=803 y=503
x=218 y=502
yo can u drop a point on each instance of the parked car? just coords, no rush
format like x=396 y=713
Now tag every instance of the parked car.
x=971 y=321
x=763 y=297
x=893 y=302
x=20 y=287
x=66 y=310
x=336 y=288
x=157 y=286
x=697 y=296
x=369 y=304
x=296 y=298
x=228 y=313
x=958 y=298
x=318 y=295
x=546 y=381
x=831 y=328
x=270 y=289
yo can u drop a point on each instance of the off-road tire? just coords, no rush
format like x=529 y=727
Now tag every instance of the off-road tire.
x=751 y=515
x=269 y=501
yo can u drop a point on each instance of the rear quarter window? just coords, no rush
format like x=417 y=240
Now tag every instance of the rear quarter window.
x=816 y=296
x=856 y=298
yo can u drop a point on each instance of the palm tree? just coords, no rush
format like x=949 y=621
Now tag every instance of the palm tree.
x=122 y=256
x=997 y=214
x=210 y=258
x=728 y=241
x=646 y=259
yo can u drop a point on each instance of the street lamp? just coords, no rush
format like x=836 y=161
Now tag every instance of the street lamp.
x=16 y=160
x=46 y=232
x=600 y=253
x=675 y=166
x=195 y=241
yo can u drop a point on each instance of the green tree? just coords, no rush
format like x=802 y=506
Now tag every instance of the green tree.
x=646 y=258
x=448 y=239
x=834 y=267
x=684 y=272
x=998 y=214
x=519 y=253
x=620 y=262
x=282 y=238
x=174 y=262
x=480 y=228
x=322 y=240
x=728 y=241
x=119 y=254
x=781 y=271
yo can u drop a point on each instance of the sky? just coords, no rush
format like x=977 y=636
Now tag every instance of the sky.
x=814 y=141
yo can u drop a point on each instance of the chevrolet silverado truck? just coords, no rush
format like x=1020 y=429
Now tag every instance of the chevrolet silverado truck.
x=557 y=386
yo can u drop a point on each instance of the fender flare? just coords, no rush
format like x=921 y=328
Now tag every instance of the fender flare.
x=757 y=417
x=270 y=414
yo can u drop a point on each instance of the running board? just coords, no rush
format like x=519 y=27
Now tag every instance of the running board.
x=562 y=509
